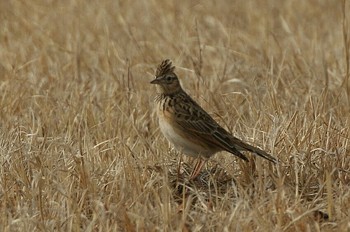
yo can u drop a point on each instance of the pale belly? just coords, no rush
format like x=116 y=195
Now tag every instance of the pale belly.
x=182 y=144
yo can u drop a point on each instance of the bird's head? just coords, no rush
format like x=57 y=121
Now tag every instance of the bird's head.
x=166 y=79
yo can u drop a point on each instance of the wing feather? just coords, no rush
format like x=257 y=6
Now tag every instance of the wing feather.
x=191 y=117
x=203 y=126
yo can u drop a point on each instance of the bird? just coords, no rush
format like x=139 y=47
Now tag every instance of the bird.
x=187 y=126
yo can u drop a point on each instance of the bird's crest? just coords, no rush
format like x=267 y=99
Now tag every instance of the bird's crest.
x=165 y=67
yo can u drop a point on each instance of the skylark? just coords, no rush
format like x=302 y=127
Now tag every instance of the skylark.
x=188 y=127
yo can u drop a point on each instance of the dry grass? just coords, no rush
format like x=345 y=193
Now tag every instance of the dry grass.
x=79 y=141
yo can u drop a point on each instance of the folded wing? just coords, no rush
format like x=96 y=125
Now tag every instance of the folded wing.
x=202 y=125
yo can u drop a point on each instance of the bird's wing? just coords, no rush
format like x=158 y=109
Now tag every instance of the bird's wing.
x=191 y=117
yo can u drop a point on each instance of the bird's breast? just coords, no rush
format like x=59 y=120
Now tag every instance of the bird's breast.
x=181 y=140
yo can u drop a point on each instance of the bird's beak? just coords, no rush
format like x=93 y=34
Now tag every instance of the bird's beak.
x=155 y=81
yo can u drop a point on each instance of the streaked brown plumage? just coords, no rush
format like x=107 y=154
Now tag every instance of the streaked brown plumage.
x=188 y=127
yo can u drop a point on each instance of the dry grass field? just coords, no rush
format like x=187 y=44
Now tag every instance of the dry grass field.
x=80 y=147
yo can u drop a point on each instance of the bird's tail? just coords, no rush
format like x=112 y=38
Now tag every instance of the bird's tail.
x=240 y=145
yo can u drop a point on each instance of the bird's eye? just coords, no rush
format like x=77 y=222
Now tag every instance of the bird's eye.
x=168 y=78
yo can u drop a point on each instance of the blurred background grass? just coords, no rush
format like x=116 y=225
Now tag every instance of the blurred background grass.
x=79 y=141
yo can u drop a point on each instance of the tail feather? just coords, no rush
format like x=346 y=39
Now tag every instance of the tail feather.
x=240 y=145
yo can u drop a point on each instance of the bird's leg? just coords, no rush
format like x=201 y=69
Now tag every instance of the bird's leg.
x=197 y=168
x=179 y=166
